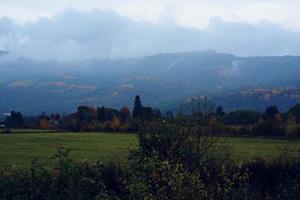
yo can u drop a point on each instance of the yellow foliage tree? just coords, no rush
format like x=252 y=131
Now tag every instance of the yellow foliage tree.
x=115 y=124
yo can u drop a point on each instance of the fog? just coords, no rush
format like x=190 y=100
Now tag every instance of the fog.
x=78 y=35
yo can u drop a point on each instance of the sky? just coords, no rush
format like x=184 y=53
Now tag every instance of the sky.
x=70 y=29
x=194 y=13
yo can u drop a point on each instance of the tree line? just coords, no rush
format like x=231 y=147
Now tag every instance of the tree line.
x=196 y=114
x=89 y=119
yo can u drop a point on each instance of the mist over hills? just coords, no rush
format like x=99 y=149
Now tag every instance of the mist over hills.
x=76 y=35
x=162 y=80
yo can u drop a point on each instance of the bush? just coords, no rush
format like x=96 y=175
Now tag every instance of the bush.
x=170 y=163
x=293 y=131
x=268 y=128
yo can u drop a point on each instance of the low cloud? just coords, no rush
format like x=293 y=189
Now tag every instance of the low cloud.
x=79 y=35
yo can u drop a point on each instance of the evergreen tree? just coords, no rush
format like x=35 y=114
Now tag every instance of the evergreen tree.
x=295 y=111
x=220 y=111
x=271 y=111
x=101 y=113
x=15 y=120
x=138 y=108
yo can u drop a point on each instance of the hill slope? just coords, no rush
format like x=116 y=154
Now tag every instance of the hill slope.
x=162 y=80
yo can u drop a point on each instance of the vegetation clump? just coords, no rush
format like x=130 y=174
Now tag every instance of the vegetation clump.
x=170 y=163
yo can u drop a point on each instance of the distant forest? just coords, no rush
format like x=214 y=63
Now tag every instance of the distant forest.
x=212 y=119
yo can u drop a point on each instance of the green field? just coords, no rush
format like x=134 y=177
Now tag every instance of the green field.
x=19 y=148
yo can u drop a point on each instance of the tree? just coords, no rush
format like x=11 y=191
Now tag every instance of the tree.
x=125 y=114
x=101 y=114
x=220 y=111
x=148 y=114
x=157 y=114
x=115 y=124
x=15 y=120
x=291 y=120
x=55 y=116
x=271 y=111
x=169 y=115
x=83 y=114
x=295 y=111
x=138 y=108
x=277 y=119
x=44 y=124
x=242 y=117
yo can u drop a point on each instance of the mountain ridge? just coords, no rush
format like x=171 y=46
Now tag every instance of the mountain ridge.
x=159 y=79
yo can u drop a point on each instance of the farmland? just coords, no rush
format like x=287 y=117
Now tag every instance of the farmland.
x=19 y=148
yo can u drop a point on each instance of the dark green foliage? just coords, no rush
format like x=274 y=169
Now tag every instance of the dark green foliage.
x=138 y=108
x=148 y=114
x=66 y=180
x=83 y=114
x=267 y=128
x=295 y=111
x=242 y=117
x=101 y=114
x=157 y=114
x=271 y=111
x=169 y=115
x=15 y=120
x=220 y=111
x=169 y=164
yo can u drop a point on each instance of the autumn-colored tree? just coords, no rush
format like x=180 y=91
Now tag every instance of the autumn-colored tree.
x=115 y=124
x=277 y=119
x=125 y=113
x=44 y=124
x=212 y=120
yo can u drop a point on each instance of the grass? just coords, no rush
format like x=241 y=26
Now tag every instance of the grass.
x=243 y=149
x=18 y=149
x=12 y=130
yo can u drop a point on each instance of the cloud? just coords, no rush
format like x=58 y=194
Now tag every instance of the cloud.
x=78 y=35
x=192 y=13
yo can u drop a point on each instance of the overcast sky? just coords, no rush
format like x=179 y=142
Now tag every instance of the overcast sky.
x=242 y=27
x=195 y=13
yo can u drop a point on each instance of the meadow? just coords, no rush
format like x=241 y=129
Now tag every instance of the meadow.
x=18 y=149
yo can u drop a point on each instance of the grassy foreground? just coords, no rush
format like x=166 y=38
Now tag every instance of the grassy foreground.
x=18 y=149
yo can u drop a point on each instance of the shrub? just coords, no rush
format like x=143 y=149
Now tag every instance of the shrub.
x=293 y=131
x=268 y=128
x=170 y=163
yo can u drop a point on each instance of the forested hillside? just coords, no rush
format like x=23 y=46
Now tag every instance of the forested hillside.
x=164 y=80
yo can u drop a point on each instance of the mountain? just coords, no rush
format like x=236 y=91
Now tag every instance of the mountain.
x=162 y=80
x=259 y=98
